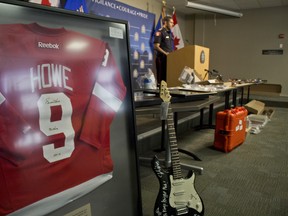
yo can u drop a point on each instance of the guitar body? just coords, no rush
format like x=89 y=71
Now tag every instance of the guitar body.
x=176 y=197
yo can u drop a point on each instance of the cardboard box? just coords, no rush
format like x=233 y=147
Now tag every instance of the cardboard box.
x=255 y=107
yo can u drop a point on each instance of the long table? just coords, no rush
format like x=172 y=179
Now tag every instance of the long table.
x=234 y=89
x=227 y=89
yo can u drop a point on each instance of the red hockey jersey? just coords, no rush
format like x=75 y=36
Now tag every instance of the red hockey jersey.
x=59 y=92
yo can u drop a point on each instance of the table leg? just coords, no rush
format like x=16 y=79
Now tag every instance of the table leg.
x=211 y=107
x=227 y=94
x=234 y=99
x=242 y=95
x=248 y=94
x=201 y=117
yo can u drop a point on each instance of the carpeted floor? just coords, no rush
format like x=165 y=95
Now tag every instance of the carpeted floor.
x=251 y=180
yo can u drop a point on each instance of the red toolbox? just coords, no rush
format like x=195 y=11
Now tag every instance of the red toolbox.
x=230 y=128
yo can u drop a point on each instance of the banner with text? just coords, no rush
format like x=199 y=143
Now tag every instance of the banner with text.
x=141 y=25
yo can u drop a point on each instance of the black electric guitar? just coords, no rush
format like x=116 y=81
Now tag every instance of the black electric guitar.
x=177 y=195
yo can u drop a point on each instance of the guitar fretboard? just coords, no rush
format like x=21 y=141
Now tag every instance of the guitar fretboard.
x=175 y=159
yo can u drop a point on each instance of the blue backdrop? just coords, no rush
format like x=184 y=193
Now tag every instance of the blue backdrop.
x=141 y=27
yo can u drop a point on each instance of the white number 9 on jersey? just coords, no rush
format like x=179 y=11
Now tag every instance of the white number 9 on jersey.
x=49 y=128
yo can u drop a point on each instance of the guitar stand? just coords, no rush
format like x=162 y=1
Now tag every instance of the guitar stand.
x=167 y=160
x=190 y=154
x=163 y=142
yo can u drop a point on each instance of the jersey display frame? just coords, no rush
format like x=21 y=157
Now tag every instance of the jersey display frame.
x=66 y=113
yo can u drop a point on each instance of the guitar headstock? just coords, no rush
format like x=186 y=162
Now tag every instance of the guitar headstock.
x=164 y=92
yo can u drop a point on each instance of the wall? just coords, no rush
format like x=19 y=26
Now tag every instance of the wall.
x=236 y=44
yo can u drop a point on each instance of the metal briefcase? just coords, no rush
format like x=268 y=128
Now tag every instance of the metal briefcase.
x=230 y=128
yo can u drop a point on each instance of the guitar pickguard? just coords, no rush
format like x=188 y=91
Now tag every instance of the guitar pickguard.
x=163 y=202
x=183 y=194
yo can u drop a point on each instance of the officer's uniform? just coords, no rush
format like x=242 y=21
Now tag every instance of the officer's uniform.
x=166 y=41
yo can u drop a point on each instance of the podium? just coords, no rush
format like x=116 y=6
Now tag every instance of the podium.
x=193 y=56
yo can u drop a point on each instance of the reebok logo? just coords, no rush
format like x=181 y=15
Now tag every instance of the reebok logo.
x=48 y=45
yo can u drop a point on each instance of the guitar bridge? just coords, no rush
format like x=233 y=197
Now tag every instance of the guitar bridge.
x=182 y=210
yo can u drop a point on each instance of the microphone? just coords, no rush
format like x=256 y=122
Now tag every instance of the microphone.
x=208 y=71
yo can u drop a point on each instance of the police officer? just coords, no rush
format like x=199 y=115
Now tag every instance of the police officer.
x=163 y=45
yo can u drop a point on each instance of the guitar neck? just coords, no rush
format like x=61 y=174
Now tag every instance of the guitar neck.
x=175 y=159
